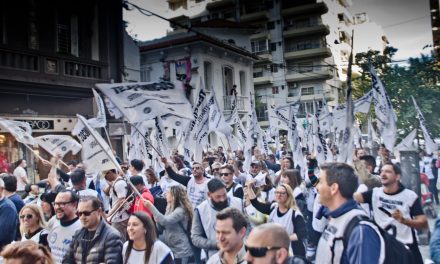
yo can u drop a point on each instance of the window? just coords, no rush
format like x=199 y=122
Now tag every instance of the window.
x=274 y=67
x=275 y=90
x=271 y=25
x=146 y=74
x=208 y=74
x=242 y=87
x=273 y=46
x=261 y=111
x=258 y=74
x=306 y=108
x=341 y=17
x=307 y=91
x=259 y=46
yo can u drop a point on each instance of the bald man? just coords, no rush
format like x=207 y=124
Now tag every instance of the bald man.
x=269 y=243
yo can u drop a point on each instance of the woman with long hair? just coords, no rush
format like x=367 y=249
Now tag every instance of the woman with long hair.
x=285 y=212
x=26 y=252
x=142 y=245
x=286 y=164
x=32 y=224
x=176 y=223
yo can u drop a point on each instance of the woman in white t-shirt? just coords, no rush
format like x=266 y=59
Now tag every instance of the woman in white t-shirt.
x=143 y=245
x=33 y=224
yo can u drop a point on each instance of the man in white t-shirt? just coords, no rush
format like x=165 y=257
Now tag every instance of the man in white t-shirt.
x=118 y=189
x=21 y=175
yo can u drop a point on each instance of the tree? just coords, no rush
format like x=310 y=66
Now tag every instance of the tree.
x=419 y=78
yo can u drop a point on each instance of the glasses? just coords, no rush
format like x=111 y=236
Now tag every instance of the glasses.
x=259 y=252
x=86 y=213
x=216 y=169
x=61 y=204
x=281 y=193
x=225 y=174
x=197 y=168
x=28 y=216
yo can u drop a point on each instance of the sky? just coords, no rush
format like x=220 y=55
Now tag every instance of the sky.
x=406 y=22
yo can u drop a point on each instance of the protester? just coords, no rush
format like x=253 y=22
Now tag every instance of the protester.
x=119 y=191
x=135 y=169
x=176 y=223
x=230 y=230
x=142 y=245
x=269 y=243
x=21 y=175
x=196 y=184
x=254 y=216
x=33 y=225
x=79 y=184
x=10 y=191
x=138 y=204
x=26 y=252
x=202 y=233
x=397 y=208
x=337 y=184
x=67 y=223
x=8 y=218
x=33 y=193
x=46 y=203
x=227 y=176
x=285 y=212
x=96 y=242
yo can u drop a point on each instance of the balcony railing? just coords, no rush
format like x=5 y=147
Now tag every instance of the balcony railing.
x=49 y=65
x=228 y=100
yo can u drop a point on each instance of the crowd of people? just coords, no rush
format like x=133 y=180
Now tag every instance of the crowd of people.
x=215 y=211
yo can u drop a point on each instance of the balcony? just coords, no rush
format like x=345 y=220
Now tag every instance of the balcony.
x=312 y=8
x=262 y=78
x=296 y=75
x=293 y=32
x=307 y=53
x=38 y=67
x=260 y=35
x=228 y=100
x=219 y=4
x=254 y=16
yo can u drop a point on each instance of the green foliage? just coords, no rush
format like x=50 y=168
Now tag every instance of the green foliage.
x=419 y=78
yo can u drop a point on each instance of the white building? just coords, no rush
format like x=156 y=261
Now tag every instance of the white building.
x=221 y=65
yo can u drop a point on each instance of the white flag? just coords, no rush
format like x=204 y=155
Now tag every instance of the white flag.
x=362 y=105
x=175 y=122
x=430 y=145
x=100 y=120
x=385 y=115
x=407 y=142
x=112 y=109
x=372 y=136
x=96 y=154
x=276 y=122
x=20 y=130
x=58 y=144
x=217 y=121
x=295 y=141
x=160 y=140
x=320 y=146
x=143 y=101
x=139 y=147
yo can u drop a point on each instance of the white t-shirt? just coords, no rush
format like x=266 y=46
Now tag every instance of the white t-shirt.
x=158 y=254
x=19 y=173
x=120 y=187
x=60 y=238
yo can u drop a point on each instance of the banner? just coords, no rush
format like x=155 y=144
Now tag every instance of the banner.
x=143 y=101
x=385 y=116
x=320 y=146
x=430 y=145
x=96 y=154
x=100 y=120
x=20 y=130
x=58 y=145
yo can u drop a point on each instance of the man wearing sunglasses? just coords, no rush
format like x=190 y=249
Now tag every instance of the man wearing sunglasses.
x=62 y=230
x=269 y=244
x=97 y=242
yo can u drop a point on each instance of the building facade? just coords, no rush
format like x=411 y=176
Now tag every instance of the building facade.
x=191 y=58
x=51 y=55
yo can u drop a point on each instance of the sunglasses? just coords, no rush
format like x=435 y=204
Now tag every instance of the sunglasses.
x=28 y=216
x=86 y=213
x=259 y=252
x=225 y=174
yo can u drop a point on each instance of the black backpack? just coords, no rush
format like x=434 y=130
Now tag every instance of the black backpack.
x=395 y=251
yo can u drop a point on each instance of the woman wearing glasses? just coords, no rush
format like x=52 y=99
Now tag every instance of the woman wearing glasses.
x=33 y=225
x=285 y=212
x=143 y=245
x=176 y=223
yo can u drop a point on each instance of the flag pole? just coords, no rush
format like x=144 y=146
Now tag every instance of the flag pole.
x=146 y=139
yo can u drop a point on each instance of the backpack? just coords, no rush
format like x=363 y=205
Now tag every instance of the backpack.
x=395 y=251
x=128 y=187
